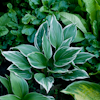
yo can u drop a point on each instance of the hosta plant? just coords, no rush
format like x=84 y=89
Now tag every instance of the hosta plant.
x=52 y=56
x=18 y=89
x=83 y=90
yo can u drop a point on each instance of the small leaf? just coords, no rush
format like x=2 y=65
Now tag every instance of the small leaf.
x=56 y=34
x=37 y=96
x=6 y=83
x=66 y=42
x=9 y=97
x=82 y=57
x=68 y=18
x=27 y=30
x=46 y=82
x=36 y=2
x=74 y=74
x=17 y=59
x=25 y=49
x=65 y=55
x=27 y=18
x=38 y=36
x=3 y=31
x=83 y=90
x=70 y=31
x=26 y=74
x=46 y=47
x=37 y=60
x=79 y=37
x=19 y=85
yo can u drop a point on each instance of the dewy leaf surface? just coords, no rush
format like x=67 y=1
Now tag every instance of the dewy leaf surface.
x=25 y=49
x=65 y=55
x=56 y=33
x=46 y=47
x=83 y=90
x=19 y=85
x=17 y=59
x=46 y=82
x=37 y=60
x=68 y=18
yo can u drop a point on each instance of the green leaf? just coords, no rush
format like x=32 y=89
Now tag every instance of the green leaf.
x=27 y=30
x=12 y=24
x=70 y=31
x=59 y=69
x=9 y=5
x=46 y=82
x=82 y=57
x=98 y=1
x=25 y=49
x=65 y=55
x=47 y=2
x=68 y=18
x=56 y=34
x=95 y=28
x=83 y=90
x=46 y=47
x=66 y=42
x=37 y=60
x=44 y=9
x=6 y=84
x=27 y=18
x=97 y=67
x=74 y=74
x=19 y=85
x=37 y=96
x=79 y=37
x=3 y=30
x=9 y=97
x=36 y=2
x=31 y=37
x=17 y=59
x=91 y=9
x=38 y=36
x=26 y=74
x=4 y=19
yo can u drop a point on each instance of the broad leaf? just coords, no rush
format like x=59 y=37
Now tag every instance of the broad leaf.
x=17 y=59
x=46 y=47
x=65 y=55
x=68 y=18
x=56 y=34
x=82 y=57
x=26 y=74
x=79 y=37
x=74 y=74
x=38 y=36
x=3 y=30
x=91 y=9
x=37 y=60
x=19 y=85
x=4 y=20
x=9 y=97
x=27 y=30
x=59 y=69
x=6 y=84
x=70 y=31
x=25 y=49
x=37 y=96
x=83 y=90
x=36 y=2
x=46 y=82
